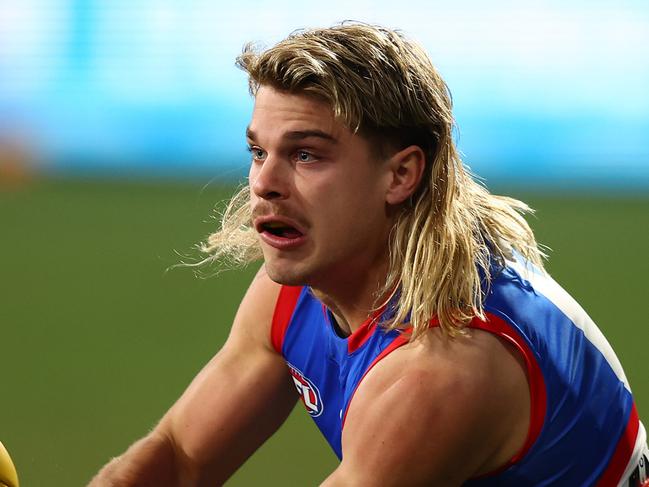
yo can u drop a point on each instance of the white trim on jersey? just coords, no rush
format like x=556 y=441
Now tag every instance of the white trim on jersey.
x=547 y=286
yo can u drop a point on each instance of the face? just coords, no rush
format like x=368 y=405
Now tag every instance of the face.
x=318 y=192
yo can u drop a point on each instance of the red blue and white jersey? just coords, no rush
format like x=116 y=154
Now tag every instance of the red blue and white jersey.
x=584 y=427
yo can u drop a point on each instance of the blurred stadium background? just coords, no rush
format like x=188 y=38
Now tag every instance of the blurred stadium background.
x=121 y=127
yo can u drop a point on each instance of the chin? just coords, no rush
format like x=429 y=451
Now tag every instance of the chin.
x=287 y=276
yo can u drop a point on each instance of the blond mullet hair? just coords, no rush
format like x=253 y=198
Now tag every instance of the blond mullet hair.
x=450 y=233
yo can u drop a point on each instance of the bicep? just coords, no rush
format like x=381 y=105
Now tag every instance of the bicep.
x=401 y=438
x=239 y=399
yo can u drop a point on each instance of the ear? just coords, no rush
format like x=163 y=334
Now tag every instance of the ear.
x=406 y=169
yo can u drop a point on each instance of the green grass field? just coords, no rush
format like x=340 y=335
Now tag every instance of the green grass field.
x=98 y=339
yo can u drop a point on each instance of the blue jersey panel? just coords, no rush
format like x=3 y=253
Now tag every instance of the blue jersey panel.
x=587 y=408
x=313 y=349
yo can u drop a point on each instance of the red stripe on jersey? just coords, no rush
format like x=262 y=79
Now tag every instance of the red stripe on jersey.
x=399 y=340
x=538 y=395
x=365 y=331
x=623 y=451
x=286 y=301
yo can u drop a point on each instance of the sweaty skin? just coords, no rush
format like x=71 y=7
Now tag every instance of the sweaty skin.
x=434 y=412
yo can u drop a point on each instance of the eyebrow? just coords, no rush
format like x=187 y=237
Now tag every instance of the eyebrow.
x=298 y=135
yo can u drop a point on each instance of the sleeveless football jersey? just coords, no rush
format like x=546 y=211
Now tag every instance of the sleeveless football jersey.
x=584 y=427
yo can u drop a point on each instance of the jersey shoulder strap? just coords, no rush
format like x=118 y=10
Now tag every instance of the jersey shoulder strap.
x=286 y=302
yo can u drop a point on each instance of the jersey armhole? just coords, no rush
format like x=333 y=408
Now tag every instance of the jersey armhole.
x=284 y=307
x=536 y=381
x=538 y=395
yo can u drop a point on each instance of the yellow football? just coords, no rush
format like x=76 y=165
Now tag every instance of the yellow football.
x=8 y=475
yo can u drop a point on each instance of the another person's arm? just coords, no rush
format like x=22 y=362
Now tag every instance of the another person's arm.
x=233 y=405
x=8 y=475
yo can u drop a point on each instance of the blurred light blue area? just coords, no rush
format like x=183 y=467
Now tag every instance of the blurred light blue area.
x=550 y=93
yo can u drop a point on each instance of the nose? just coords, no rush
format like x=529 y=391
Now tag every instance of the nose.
x=268 y=179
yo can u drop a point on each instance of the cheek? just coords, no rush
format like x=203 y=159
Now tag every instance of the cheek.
x=338 y=200
x=354 y=209
x=365 y=196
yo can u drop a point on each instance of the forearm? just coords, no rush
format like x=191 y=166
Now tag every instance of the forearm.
x=150 y=462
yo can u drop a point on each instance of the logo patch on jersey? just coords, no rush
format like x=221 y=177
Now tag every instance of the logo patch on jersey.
x=308 y=392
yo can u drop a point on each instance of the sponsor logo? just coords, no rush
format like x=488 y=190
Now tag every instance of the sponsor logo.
x=308 y=392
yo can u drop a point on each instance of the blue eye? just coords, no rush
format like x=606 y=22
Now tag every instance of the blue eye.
x=257 y=153
x=303 y=156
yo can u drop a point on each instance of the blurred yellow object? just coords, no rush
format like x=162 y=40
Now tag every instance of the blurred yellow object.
x=8 y=475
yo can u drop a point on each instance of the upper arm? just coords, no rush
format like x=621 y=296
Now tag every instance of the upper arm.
x=433 y=415
x=239 y=399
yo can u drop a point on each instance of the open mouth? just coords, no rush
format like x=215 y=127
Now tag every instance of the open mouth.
x=281 y=230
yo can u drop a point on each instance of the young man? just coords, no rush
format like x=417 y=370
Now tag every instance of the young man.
x=406 y=305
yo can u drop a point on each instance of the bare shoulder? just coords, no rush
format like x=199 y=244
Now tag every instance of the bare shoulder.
x=255 y=314
x=438 y=411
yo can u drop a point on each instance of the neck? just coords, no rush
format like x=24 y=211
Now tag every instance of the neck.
x=353 y=299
